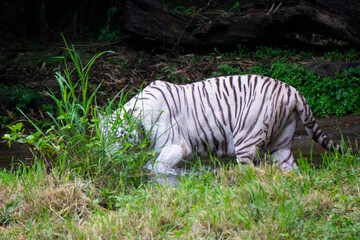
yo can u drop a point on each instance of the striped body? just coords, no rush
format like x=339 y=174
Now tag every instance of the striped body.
x=234 y=115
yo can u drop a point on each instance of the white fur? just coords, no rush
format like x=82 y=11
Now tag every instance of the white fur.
x=234 y=115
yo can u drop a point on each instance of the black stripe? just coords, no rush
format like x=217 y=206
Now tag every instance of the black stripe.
x=220 y=109
x=225 y=87
x=288 y=93
x=286 y=159
x=218 y=85
x=152 y=95
x=166 y=101
x=229 y=113
x=266 y=83
x=185 y=99
x=168 y=86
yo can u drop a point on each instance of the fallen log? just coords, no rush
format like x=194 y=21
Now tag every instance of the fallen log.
x=263 y=22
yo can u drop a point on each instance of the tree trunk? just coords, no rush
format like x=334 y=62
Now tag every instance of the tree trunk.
x=269 y=21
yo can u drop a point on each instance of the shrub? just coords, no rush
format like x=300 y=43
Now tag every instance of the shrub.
x=331 y=96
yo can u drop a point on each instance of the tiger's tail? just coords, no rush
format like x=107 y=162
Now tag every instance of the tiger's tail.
x=311 y=126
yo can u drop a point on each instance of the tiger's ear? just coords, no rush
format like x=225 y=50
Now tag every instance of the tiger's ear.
x=131 y=111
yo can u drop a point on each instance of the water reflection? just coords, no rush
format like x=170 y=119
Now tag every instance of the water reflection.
x=167 y=180
x=173 y=179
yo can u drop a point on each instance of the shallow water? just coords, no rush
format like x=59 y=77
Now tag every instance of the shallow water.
x=20 y=152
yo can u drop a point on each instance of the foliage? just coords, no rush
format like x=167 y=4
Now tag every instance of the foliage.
x=19 y=97
x=170 y=73
x=226 y=70
x=331 y=96
x=191 y=8
x=74 y=141
x=351 y=55
x=195 y=59
x=270 y=53
x=107 y=33
x=242 y=51
x=235 y=7
x=273 y=52
x=187 y=11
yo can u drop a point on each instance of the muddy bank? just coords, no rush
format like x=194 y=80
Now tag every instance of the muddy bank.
x=347 y=126
x=17 y=153
x=333 y=126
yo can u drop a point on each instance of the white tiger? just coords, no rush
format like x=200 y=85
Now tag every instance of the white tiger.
x=233 y=115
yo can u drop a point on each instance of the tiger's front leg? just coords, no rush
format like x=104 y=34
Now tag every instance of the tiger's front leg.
x=168 y=158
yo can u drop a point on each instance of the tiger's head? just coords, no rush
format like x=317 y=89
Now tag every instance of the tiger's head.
x=119 y=128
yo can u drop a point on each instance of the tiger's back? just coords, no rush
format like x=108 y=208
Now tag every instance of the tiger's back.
x=234 y=115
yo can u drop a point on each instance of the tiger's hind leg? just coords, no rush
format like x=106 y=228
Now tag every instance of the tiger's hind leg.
x=246 y=155
x=284 y=157
x=280 y=147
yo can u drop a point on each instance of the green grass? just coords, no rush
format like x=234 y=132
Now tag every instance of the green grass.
x=232 y=203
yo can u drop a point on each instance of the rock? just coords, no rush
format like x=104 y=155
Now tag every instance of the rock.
x=329 y=69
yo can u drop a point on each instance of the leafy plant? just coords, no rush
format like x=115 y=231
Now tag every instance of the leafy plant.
x=225 y=70
x=331 y=96
x=171 y=74
x=241 y=52
x=273 y=52
x=74 y=140
x=187 y=11
x=235 y=7
x=351 y=55
x=195 y=59
x=107 y=33
x=19 y=97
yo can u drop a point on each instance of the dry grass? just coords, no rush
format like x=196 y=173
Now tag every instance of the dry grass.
x=29 y=201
